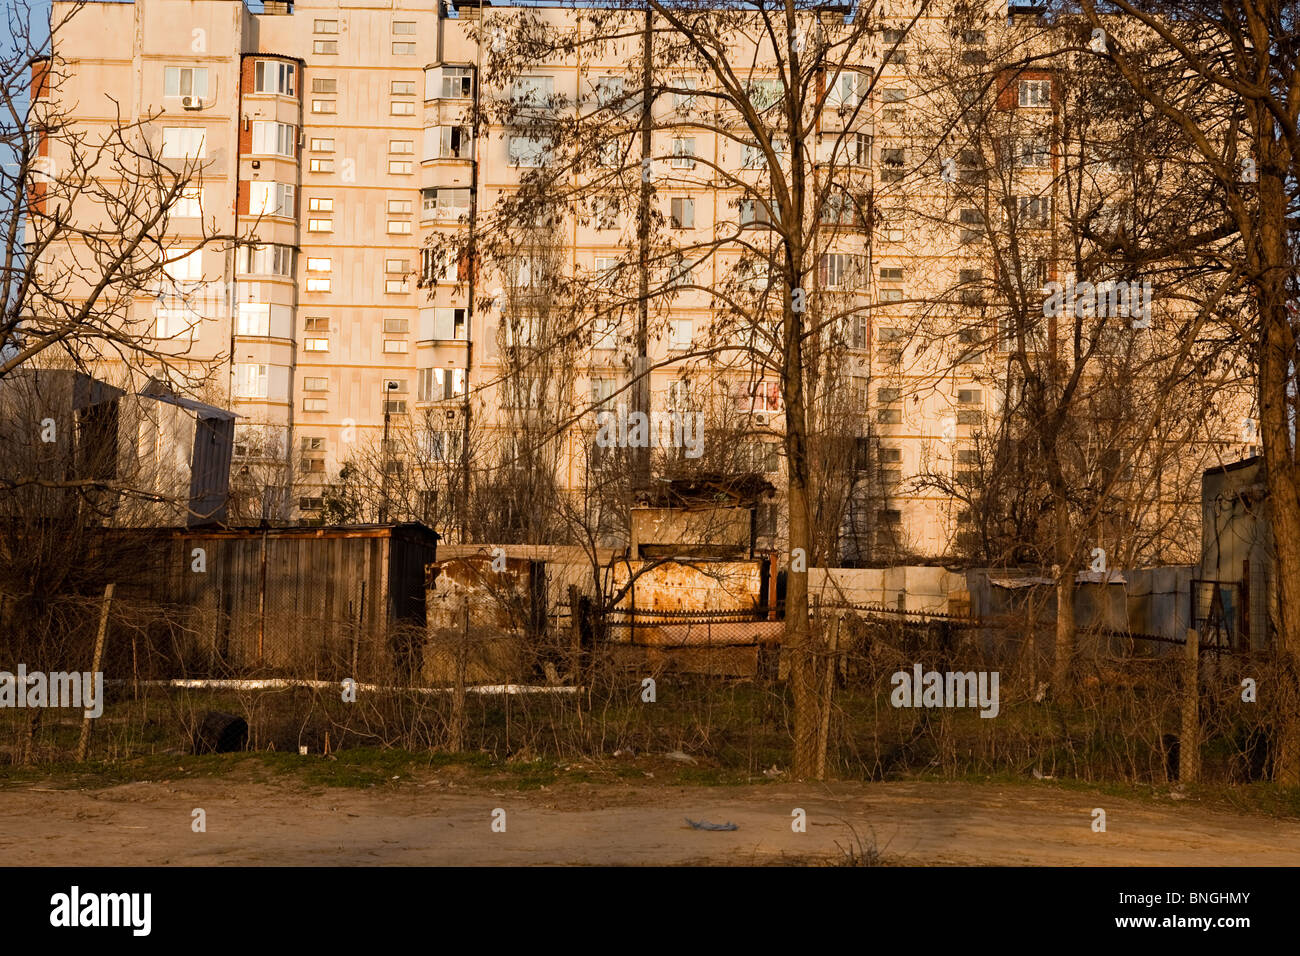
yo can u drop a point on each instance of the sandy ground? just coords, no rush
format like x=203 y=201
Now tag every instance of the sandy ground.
x=441 y=822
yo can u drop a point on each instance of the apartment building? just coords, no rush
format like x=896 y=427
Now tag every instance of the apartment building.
x=334 y=142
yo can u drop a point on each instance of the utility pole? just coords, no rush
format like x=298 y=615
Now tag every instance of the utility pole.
x=641 y=363
x=389 y=385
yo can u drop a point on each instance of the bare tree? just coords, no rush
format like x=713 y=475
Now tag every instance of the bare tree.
x=781 y=92
x=86 y=213
x=1221 y=80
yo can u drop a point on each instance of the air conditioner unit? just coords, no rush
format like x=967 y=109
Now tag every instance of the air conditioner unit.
x=191 y=103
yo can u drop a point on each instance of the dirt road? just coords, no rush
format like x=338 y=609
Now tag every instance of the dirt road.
x=439 y=821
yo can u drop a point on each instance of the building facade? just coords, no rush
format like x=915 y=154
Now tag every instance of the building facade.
x=333 y=141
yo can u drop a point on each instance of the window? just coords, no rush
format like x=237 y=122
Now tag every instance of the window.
x=444 y=203
x=608 y=154
x=320 y=225
x=971 y=282
x=322 y=145
x=403 y=48
x=396 y=287
x=320 y=204
x=754 y=212
x=185 y=81
x=841 y=208
x=891 y=224
x=315 y=384
x=608 y=89
x=893 y=112
x=439 y=445
x=252 y=318
x=447 y=142
x=1033 y=152
x=314 y=405
x=311 y=465
x=684 y=153
x=969 y=416
x=173 y=323
x=436 y=267
x=395 y=346
x=325 y=26
x=1035 y=92
x=316 y=323
x=401 y=108
x=449 y=324
x=395 y=326
x=323 y=84
x=439 y=384
x=402 y=87
x=272 y=76
x=893 y=45
x=889 y=416
x=184 y=142
x=400 y=167
x=325 y=47
x=972 y=221
x=525 y=151
x=684 y=98
x=403 y=28
x=521 y=331
x=527 y=271
x=250 y=381
x=764 y=94
x=892 y=161
x=891 y=456
x=274 y=138
x=605 y=212
x=320 y=166
x=318 y=284
x=859 y=331
x=890 y=335
x=847 y=89
x=683 y=212
x=606 y=269
x=1035 y=211
x=401 y=146
x=889 y=396
x=324 y=106
x=270 y=199
x=399 y=227
x=758 y=397
x=844 y=149
x=399 y=207
x=269 y=259
x=681 y=334
x=679 y=272
x=188 y=203
x=316 y=345
x=186 y=268
x=839 y=270
x=891 y=274
x=891 y=295
x=969 y=396
x=679 y=395
x=602 y=389
x=532 y=92
x=604 y=333
x=457 y=83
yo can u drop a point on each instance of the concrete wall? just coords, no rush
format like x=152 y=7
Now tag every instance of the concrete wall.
x=906 y=588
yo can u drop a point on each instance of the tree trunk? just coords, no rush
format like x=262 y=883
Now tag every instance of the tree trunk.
x=1276 y=354
x=1065 y=574
x=798 y=639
